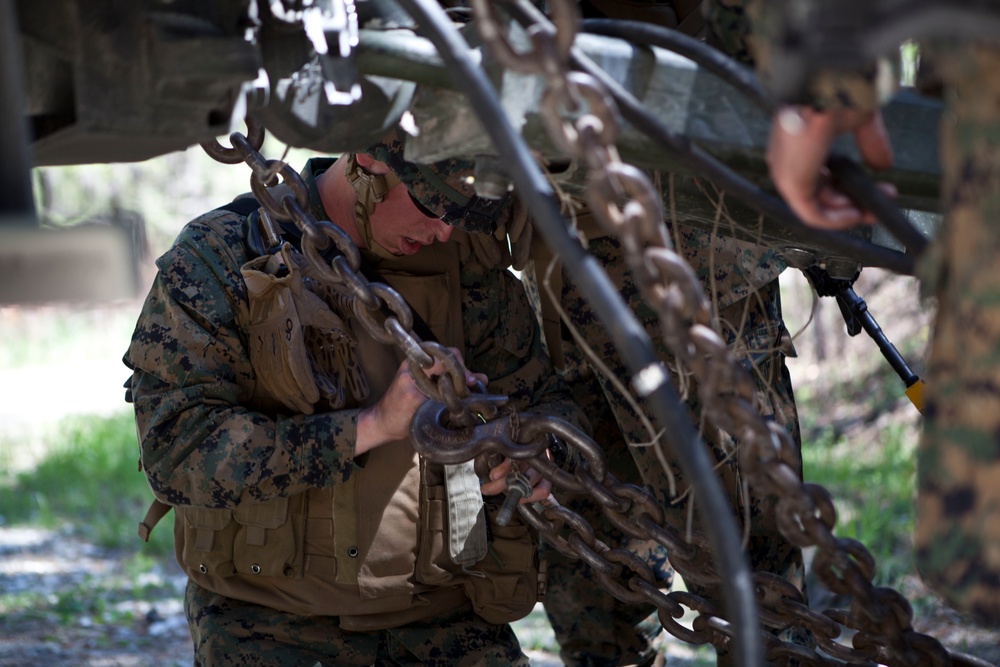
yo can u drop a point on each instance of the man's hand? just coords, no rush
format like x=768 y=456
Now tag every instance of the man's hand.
x=798 y=147
x=390 y=418
x=541 y=487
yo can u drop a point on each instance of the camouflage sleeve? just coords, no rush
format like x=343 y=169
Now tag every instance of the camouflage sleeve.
x=503 y=341
x=200 y=444
x=727 y=28
x=747 y=31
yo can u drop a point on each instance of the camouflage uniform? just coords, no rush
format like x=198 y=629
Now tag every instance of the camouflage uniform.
x=957 y=536
x=592 y=626
x=256 y=636
x=203 y=445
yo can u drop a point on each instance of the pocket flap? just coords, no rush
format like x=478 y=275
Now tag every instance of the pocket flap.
x=205 y=519
x=268 y=515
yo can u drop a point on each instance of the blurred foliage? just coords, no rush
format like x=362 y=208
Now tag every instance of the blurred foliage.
x=51 y=335
x=873 y=490
x=87 y=484
x=910 y=61
x=165 y=192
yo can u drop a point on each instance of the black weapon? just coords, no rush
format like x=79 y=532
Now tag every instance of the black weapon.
x=858 y=318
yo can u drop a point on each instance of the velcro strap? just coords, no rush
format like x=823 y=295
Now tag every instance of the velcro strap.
x=256 y=536
x=370 y=188
x=156 y=511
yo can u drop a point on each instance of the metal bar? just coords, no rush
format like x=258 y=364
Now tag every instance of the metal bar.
x=17 y=206
x=692 y=101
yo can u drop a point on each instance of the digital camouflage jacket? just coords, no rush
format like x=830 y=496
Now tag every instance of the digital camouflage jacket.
x=263 y=492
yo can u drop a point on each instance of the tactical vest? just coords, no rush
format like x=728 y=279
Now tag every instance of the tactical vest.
x=373 y=550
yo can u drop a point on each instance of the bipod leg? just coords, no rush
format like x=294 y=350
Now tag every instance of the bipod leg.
x=858 y=319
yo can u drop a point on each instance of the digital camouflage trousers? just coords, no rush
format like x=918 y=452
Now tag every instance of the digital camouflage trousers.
x=231 y=633
x=594 y=628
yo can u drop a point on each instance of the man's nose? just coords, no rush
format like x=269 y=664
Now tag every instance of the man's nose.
x=442 y=231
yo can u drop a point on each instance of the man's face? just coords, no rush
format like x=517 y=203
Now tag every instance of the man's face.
x=397 y=224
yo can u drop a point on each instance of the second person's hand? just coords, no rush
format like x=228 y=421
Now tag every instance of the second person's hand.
x=798 y=147
x=540 y=486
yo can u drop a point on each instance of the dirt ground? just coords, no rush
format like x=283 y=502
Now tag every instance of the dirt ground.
x=97 y=615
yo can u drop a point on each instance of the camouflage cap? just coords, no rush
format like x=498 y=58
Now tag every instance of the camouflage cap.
x=442 y=189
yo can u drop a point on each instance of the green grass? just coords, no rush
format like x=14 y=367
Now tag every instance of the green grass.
x=872 y=485
x=103 y=600
x=535 y=633
x=87 y=483
x=869 y=471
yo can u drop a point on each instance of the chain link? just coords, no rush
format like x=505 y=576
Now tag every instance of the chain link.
x=581 y=119
x=369 y=301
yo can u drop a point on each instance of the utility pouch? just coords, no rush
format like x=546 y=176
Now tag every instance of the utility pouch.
x=503 y=586
x=453 y=531
x=207 y=538
x=434 y=567
x=277 y=348
x=269 y=537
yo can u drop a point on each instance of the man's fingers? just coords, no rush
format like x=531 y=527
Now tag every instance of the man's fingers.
x=831 y=198
x=873 y=142
x=797 y=149
x=541 y=489
x=810 y=210
x=838 y=210
x=500 y=470
x=494 y=487
x=888 y=189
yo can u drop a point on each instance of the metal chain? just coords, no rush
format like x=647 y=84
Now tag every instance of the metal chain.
x=450 y=428
x=383 y=312
x=582 y=120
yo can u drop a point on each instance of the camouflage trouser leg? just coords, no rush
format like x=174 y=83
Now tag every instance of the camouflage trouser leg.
x=230 y=633
x=761 y=336
x=593 y=627
x=958 y=501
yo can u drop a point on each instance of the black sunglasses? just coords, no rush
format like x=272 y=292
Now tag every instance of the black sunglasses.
x=480 y=214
